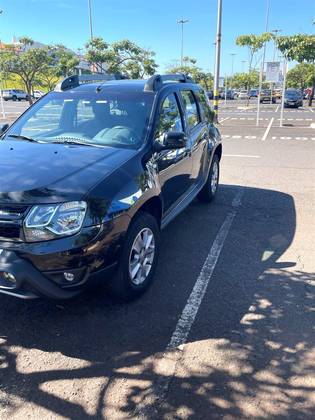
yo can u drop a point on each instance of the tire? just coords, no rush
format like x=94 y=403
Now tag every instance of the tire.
x=123 y=286
x=208 y=192
x=14 y=98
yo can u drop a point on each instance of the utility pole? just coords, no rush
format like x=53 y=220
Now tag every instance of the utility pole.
x=182 y=23
x=217 y=63
x=262 y=64
x=90 y=19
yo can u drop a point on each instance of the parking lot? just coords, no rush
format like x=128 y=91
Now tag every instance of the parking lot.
x=226 y=331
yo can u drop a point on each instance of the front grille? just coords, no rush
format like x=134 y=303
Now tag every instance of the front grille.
x=11 y=221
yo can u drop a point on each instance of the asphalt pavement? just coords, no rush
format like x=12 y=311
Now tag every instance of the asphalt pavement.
x=227 y=330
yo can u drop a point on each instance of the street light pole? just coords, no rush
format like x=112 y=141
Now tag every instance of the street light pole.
x=90 y=19
x=275 y=31
x=1 y=97
x=182 y=22
x=262 y=64
x=217 y=63
x=232 y=74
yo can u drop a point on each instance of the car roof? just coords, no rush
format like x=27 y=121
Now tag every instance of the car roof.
x=130 y=85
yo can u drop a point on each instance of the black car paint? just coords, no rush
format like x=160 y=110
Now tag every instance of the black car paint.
x=116 y=183
x=293 y=98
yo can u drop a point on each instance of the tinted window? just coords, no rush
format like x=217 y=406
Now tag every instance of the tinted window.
x=205 y=108
x=170 y=118
x=191 y=110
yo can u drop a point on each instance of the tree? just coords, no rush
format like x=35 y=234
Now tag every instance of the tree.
x=189 y=68
x=120 y=57
x=26 y=62
x=64 y=60
x=254 y=43
x=245 y=80
x=48 y=78
x=301 y=76
x=301 y=48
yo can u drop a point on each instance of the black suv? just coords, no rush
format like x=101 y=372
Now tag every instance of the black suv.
x=91 y=173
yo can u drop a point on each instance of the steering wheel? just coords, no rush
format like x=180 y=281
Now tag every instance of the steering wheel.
x=133 y=139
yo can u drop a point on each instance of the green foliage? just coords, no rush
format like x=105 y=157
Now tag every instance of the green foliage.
x=63 y=60
x=254 y=43
x=245 y=80
x=26 y=63
x=122 y=56
x=299 y=47
x=189 y=67
x=301 y=76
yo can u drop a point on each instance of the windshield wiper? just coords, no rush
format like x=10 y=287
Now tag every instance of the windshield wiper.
x=18 y=136
x=80 y=143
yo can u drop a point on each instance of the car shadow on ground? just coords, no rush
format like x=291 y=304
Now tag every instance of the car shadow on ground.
x=68 y=357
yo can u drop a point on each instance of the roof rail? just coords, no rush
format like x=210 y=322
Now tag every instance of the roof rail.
x=156 y=81
x=74 y=81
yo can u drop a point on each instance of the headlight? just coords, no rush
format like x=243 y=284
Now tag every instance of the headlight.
x=51 y=221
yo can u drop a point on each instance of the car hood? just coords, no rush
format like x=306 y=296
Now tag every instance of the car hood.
x=34 y=172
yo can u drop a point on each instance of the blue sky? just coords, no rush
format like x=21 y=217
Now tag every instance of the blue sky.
x=152 y=24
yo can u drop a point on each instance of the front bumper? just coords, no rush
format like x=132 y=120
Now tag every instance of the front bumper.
x=36 y=270
x=30 y=283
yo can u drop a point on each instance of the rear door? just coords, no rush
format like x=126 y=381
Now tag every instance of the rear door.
x=174 y=166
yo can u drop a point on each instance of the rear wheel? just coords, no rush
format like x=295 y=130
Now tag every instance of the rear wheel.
x=138 y=259
x=14 y=98
x=208 y=192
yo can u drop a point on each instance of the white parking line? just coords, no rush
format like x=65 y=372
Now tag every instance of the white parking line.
x=167 y=362
x=311 y=109
x=277 y=108
x=190 y=311
x=224 y=119
x=267 y=130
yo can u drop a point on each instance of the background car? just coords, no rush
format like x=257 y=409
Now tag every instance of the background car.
x=293 y=98
x=210 y=94
x=267 y=96
x=38 y=94
x=14 y=95
x=253 y=93
x=243 y=94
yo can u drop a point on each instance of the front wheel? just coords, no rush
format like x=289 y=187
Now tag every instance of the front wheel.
x=138 y=259
x=208 y=192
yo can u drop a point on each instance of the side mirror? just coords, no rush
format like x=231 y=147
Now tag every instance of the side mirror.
x=3 y=128
x=172 y=140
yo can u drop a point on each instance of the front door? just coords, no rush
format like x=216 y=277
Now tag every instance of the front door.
x=174 y=166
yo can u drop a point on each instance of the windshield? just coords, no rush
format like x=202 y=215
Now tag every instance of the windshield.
x=292 y=94
x=106 y=118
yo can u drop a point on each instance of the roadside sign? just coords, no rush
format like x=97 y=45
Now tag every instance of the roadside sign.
x=273 y=72
x=221 y=82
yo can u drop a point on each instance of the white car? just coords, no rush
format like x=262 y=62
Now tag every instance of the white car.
x=38 y=94
x=243 y=94
x=14 y=94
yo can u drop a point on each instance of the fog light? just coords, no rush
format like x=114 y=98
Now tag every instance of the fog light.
x=68 y=276
x=10 y=277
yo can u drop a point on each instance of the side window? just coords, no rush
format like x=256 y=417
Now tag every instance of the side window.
x=191 y=109
x=205 y=107
x=170 y=118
